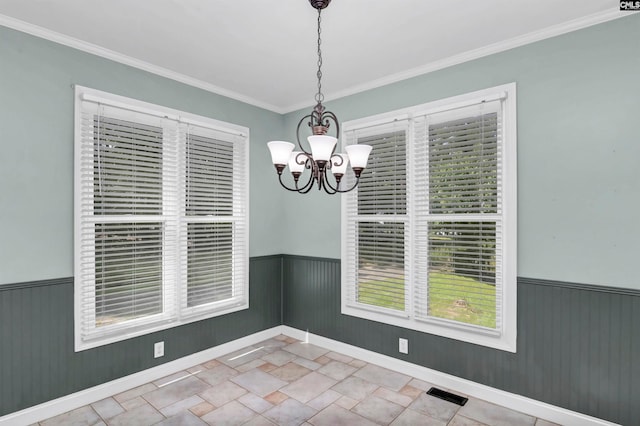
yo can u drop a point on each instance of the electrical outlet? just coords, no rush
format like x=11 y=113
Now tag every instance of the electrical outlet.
x=158 y=350
x=403 y=346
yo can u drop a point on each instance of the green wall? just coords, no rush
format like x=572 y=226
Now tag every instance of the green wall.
x=36 y=140
x=578 y=152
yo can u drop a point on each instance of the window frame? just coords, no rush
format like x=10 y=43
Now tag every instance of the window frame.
x=505 y=336
x=173 y=312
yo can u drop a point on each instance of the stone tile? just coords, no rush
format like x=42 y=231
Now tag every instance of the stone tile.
x=290 y=340
x=279 y=357
x=242 y=356
x=133 y=403
x=259 y=421
x=281 y=337
x=250 y=365
x=419 y=384
x=355 y=387
x=346 y=402
x=259 y=382
x=271 y=345
x=212 y=363
x=80 y=416
x=336 y=370
x=276 y=397
x=132 y=393
x=222 y=393
x=257 y=404
x=229 y=414
x=289 y=413
x=290 y=372
x=383 y=377
x=196 y=369
x=171 y=378
x=202 y=409
x=459 y=420
x=324 y=399
x=413 y=418
x=107 y=408
x=339 y=357
x=267 y=366
x=494 y=415
x=140 y=416
x=378 y=410
x=182 y=405
x=307 y=363
x=322 y=360
x=411 y=392
x=436 y=408
x=217 y=374
x=357 y=363
x=184 y=418
x=541 y=422
x=308 y=387
x=305 y=350
x=334 y=415
x=175 y=392
x=394 y=397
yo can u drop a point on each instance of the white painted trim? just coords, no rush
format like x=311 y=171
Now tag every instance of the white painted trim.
x=506 y=399
x=549 y=32
x=94 y=49
x=87 y=396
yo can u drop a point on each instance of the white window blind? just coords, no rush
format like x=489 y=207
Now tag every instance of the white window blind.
x=161 y=213
x=427 y=229
x=380 y=221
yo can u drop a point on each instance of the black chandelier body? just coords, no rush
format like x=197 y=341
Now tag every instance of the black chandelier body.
x=321 y=160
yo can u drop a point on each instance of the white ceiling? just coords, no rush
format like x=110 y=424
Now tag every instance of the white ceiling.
x=264 y=52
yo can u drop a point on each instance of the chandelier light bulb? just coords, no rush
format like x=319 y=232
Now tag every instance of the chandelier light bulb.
x=322 y=147
x=280 y=152
x=358 y=155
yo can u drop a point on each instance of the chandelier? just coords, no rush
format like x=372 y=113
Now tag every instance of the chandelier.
x=321 y=160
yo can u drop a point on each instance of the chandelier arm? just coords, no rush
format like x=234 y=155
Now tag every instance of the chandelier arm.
x=307 y=186
x=285 y=186
x=309 y=116
x=330 y=116
x=328 y=188
x=350 y=189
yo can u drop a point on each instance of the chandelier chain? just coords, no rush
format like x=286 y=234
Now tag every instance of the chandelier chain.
x=319 y=95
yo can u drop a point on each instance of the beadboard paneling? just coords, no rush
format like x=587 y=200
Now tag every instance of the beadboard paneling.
x=37 y=358
x=578 y=345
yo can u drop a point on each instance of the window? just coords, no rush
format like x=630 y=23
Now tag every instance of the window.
x=161 y=226
x=429 y=235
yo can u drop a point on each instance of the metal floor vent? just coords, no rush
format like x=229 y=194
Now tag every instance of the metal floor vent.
x=447 y=396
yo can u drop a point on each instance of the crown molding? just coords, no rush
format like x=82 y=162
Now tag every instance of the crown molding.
x=555 y=30
x=93 y=49
x=532 y=37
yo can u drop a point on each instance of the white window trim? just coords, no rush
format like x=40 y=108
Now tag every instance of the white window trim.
x=506 y=337
x=161 y=321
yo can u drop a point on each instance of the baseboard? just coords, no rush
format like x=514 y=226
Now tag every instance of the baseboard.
x=506 y=399
x=87 y=396
x=515 y=402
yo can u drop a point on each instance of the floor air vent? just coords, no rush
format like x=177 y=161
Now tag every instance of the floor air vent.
x=447 y=396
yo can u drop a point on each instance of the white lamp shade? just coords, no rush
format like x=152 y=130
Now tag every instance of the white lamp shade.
x=342 y=168
x=293 y=162
x=358 y=154
x=280 y=151
x=322 y=146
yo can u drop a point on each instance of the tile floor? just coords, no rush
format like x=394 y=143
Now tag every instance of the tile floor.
x=282 y=381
